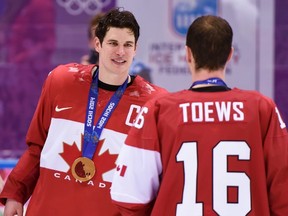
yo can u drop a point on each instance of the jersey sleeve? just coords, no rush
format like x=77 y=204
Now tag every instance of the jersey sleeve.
x=22 y=180
x=137 y=177
x=38 y=129
x=276 y=157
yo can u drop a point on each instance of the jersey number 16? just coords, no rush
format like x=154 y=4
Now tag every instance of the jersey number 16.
x=222 y=179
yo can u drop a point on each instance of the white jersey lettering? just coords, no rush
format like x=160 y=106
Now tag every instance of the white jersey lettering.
x=221 y=111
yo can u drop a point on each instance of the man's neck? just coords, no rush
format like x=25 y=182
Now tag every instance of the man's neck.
x=112 y=78
x=206 y=74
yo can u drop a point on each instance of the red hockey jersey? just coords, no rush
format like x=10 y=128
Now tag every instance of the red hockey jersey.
x=205 y=153
x=58 y=127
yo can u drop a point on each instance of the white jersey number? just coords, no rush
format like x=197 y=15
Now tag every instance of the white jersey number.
x=139 y=121
x=222 y=179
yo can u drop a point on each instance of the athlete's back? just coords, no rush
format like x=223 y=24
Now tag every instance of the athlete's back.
x=222 y=155
x=210 y=150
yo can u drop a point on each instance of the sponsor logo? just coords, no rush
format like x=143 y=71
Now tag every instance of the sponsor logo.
x=58 y=109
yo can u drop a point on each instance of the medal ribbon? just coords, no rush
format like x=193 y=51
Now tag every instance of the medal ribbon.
x=92 y=136
x=213 y=80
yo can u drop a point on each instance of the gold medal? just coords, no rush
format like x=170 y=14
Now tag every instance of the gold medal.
x=83 y=169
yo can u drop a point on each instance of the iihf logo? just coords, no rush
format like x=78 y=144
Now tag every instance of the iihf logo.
x=184 y=12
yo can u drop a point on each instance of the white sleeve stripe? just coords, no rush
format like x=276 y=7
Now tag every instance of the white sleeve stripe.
x=140 y=182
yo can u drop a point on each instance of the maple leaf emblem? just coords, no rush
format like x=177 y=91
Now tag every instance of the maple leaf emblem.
x=70 y=153
x=104 y=162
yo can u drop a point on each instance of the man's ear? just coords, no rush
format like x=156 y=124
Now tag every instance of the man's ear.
x=97 y=44
x=188 y=54
x=230 y=54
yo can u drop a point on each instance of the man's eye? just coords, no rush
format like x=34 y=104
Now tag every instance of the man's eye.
x=113 y=43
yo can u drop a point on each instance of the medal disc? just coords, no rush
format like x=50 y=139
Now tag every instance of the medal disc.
x=83 y=169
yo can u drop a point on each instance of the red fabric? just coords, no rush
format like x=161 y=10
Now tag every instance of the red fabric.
x=221 y=158
x=19 y=185
x=60 y=133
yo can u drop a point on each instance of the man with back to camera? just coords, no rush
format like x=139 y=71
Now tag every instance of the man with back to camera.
x=209 y=150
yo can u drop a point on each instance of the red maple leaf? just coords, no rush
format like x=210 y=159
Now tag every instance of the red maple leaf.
x=103 y=163
x=70 y=153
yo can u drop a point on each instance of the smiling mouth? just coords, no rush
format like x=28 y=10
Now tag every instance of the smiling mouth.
x=118 y=61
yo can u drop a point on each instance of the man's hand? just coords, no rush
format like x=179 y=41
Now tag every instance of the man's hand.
x=13 y=207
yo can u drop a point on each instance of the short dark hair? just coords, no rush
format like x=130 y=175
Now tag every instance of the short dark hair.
x=210 y=40
x=118 y=18
x=93 y=24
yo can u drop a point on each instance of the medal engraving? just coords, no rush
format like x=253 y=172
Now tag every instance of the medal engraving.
x=83 y=169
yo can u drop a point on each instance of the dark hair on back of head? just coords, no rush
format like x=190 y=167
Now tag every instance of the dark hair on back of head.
x=117 y=18
x=210 y=40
